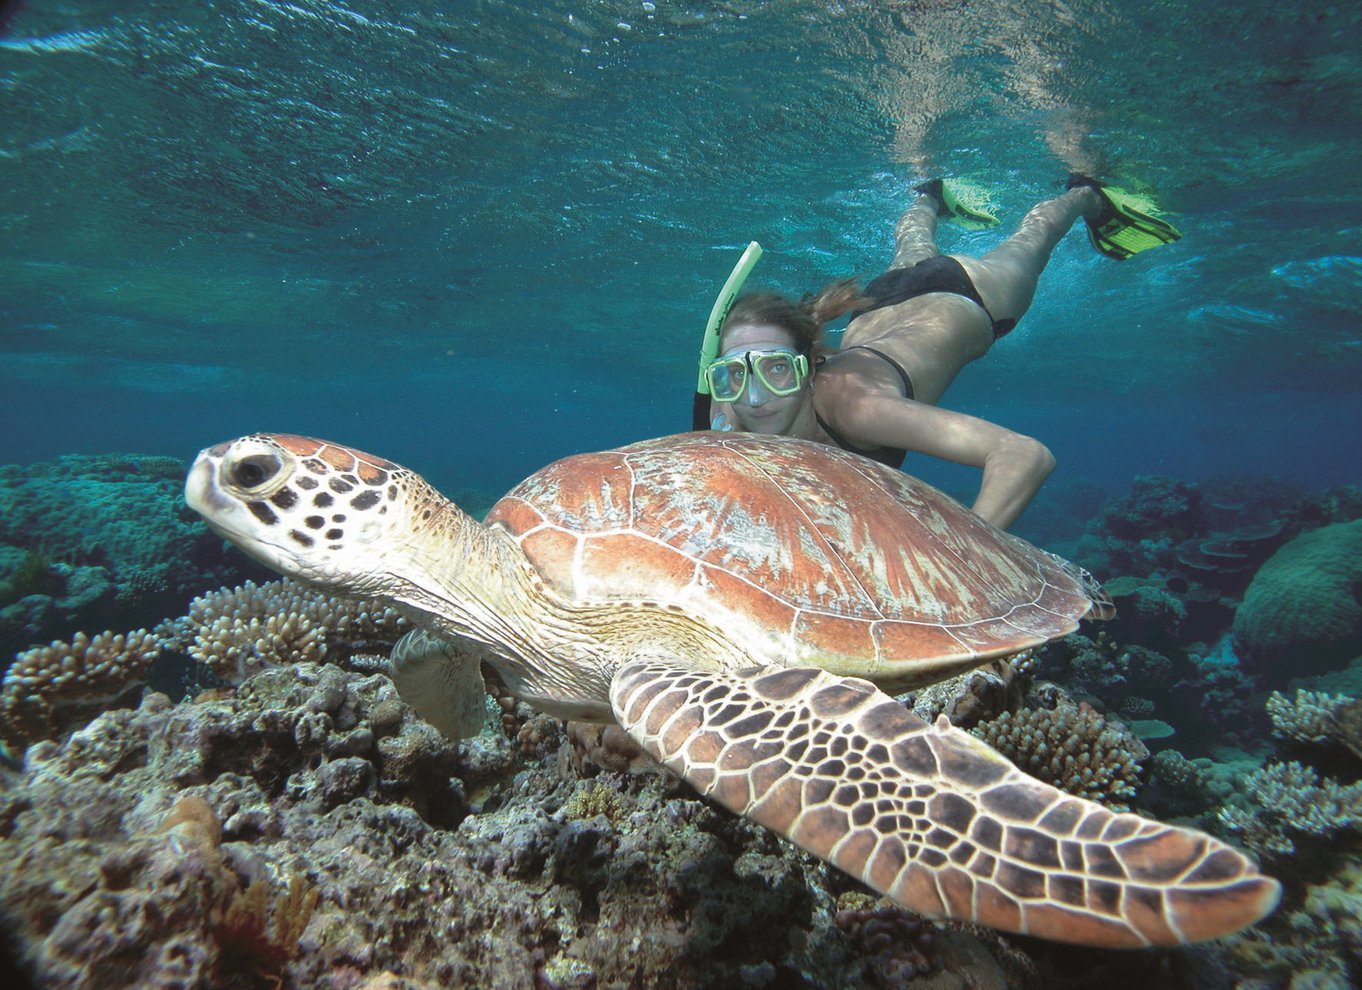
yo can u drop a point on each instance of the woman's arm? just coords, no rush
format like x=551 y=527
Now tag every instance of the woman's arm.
x=1014 y=465
x=1013 y=473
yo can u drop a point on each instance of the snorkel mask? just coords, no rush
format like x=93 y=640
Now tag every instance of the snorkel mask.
x=780 y=371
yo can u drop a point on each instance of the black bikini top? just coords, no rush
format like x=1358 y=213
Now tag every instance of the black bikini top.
x=892 y=456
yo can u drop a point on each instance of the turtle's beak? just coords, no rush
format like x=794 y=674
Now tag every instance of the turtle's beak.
x=227 y=515
x=201 y=492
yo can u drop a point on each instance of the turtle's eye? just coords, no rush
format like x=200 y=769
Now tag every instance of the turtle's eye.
x=254 y=471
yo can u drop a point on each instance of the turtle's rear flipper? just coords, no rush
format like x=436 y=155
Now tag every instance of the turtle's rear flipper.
x=931 y=816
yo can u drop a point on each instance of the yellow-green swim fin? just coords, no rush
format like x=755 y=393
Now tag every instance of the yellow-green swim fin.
x=966 y=203
x=1126 y=225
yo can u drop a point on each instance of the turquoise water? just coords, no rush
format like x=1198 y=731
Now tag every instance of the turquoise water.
x=475 y=237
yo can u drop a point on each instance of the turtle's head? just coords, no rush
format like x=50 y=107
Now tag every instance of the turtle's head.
x=312 y=510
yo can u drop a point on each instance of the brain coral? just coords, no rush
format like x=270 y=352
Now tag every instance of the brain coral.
x=1301 y=614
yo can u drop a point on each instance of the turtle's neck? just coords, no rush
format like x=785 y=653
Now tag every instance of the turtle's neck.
x=473 y=580
x=467 y=581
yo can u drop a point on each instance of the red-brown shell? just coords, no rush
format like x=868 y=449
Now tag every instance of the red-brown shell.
x=851 y=559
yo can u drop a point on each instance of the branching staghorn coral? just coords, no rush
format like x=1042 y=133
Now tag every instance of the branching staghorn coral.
x=1072 y=747
x=1286 y=801
x=232 y=632
x=49 y=686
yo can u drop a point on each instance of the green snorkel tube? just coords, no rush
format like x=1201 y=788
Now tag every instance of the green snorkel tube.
x=709 y=346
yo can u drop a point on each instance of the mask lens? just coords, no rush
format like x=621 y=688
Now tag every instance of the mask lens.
x=777 y=372
x=727 y=377
x=780 y=371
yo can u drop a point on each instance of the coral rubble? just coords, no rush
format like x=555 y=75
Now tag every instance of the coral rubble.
x=307 y=830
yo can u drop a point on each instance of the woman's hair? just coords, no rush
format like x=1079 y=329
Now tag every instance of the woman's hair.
x=803 y=321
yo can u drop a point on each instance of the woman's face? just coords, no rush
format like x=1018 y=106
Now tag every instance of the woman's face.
x=757 y=410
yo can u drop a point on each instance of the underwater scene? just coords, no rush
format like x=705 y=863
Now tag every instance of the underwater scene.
x=1065 y=693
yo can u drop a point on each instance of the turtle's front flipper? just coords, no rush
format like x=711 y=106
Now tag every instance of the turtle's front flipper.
x=930 y=815
x=442 y=681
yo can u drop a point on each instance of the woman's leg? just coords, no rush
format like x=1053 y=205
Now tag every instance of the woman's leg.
x=915 y=233
x=1007 y=276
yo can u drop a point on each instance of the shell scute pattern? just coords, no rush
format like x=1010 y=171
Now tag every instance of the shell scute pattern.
x=901 y=574
x=626 y=560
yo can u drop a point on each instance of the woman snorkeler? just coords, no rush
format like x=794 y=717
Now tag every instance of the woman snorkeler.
x=911 y=331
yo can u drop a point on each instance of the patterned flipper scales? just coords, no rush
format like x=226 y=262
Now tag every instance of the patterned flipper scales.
x=930 y=815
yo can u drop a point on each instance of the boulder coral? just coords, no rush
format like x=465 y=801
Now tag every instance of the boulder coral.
x=1301 y=614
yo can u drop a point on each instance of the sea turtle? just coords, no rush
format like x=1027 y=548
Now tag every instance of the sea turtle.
x=732 y=600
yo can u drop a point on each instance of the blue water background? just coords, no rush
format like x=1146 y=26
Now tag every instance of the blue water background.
x=478 y=236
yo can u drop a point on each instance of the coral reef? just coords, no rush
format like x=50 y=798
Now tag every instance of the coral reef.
x=1148 y=613
x=1177 y=557
x=1302 y=613
x=88 y=542
x=306 y=829
x=64 y=684
x=1318 y=717
x=976 y=695
x=900 y=945
x=1175 y=510
x=297 y=825
x=594 y=748
x=1283 y=803
x=1337 y=505
x=1225 y=561
x=1307 y=826
x=1072 y=747
x=1307 y=718
x=1205 y=693
x=230 y=632
x=1175 y=786
x=235 y=632
x=1315 y=944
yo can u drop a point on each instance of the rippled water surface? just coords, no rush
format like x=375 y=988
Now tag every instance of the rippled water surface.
x=417 y=227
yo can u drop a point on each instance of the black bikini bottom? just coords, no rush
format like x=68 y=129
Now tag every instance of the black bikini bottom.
x=939 y=274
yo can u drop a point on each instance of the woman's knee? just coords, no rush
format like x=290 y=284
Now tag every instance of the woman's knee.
x=1038 y=457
